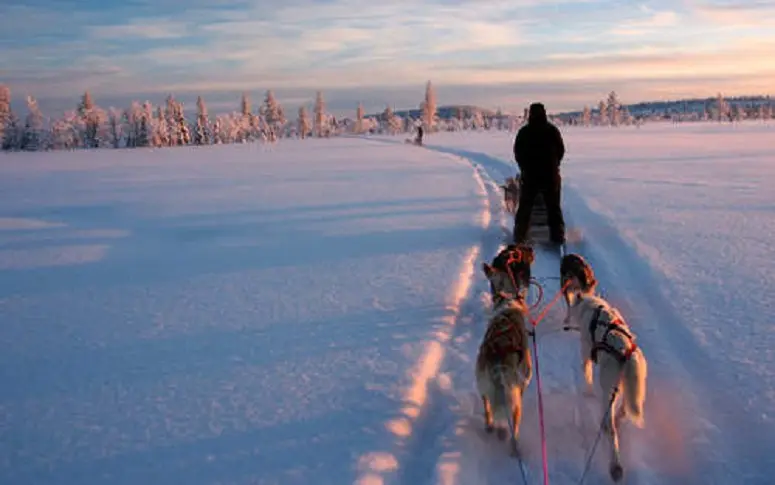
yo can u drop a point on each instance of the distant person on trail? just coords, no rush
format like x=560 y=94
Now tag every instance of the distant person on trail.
x=419 y=134
x=538 y=150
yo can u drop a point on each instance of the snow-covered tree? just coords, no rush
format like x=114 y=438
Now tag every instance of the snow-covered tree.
x=247 y=127
x=12 y=135
x=218 y=130
x=586 y=116
x=738 y=112
x=614 y=109
x=722 y=108
x=304 y=125
x=147 y=129
x=34 y=136
x=602 y=113
x=160 y=130
x=114 y=127
x=320 y=114
x=183 y=131
x=390 y=122
x=137 y=126
x=273 y=115
x=202 y=130
x=5 y=110
x=92 y=119
x=359 y=119
x=429 y=107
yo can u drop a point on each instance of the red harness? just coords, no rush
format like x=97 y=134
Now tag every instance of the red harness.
x=615 y=325
x=504 y=338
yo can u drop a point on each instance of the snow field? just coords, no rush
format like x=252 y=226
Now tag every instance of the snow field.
x=673 y=220
x=310 y=311
x=250 y=317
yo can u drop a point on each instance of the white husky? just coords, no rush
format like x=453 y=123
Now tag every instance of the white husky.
x=503 y=364
x=608 y=341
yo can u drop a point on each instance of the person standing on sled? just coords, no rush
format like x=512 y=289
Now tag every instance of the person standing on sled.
x=539 y=150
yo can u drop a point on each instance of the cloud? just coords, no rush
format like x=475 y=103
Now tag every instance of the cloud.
x=654 y=22
x=362 y=46
x=143 y=29
x=736 y=14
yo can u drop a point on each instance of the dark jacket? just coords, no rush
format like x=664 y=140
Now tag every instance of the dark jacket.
x=538 y=147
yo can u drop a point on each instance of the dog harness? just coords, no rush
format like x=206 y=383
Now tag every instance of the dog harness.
x=615 y=325
x=504 y=338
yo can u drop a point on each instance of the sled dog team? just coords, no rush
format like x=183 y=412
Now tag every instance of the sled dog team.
x=504 y=366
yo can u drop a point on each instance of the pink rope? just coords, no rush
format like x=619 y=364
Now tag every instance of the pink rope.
x=541 y=412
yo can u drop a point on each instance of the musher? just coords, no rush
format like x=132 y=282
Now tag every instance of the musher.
x=539 y=150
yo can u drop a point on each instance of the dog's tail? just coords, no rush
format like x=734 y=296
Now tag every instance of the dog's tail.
x=635 y=372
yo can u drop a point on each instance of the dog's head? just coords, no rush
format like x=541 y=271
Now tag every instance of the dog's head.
x=511 y=186
x=509 y=272
x=577 y=274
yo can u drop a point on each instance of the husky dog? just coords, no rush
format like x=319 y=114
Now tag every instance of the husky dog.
x=606 y=340
x=511 y=194
x=503 y=364
x=577 y=274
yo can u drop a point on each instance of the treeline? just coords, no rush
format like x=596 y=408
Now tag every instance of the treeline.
x=146 y=125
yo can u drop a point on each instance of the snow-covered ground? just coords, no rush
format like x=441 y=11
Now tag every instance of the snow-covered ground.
x=309 y=312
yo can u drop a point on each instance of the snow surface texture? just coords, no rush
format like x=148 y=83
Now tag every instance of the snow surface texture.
x=678 y=223
x=310 y=313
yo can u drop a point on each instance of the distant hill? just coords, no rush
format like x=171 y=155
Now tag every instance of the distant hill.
x=638 y=110
x=679 y=106
x=444 y=112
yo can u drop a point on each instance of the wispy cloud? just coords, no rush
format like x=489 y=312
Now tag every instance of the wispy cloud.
x=653 y=22
x=140 y=29
x=297 y=45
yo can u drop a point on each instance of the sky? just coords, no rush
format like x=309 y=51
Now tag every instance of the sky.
x=491 y=53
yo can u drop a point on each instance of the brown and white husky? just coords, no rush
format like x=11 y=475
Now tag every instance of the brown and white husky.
x=503 y=365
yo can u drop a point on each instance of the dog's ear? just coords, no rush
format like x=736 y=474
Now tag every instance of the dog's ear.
x=488 y=270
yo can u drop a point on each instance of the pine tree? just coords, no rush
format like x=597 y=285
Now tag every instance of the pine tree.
x=33 y=138
x=586 y=116
x=202 y=132
x=114 y=127
x=614 y=107
x=91 y=118
x=722 y=108
x=181 y=126
x=5 y=111
x=429 y=107
x=12 y=136
x=248 y=125
x=304 y=123
x=160 y=131
x=359 y=119
x=218 y=131
x=387 y=120
x=273 y=115
x=320 y=114
x=603 y=113
x=146 y=132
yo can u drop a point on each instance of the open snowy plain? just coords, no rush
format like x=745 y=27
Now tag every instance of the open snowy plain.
x=309 y=312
